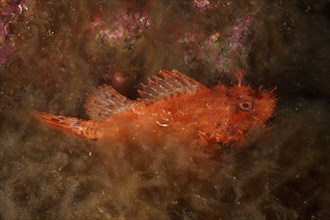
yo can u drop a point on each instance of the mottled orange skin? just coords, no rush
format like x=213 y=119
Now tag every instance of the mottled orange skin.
x=221 y=114
x=213 y=113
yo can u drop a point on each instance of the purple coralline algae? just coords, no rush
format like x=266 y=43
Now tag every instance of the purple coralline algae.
x=203 y=5
x=235 y=43
x=223 y=50
x=10 y=10
x=124 y=27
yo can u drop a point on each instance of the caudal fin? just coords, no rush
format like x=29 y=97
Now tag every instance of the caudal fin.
x=69 y=124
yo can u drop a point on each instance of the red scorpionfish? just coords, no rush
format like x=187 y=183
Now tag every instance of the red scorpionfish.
x=221 y=114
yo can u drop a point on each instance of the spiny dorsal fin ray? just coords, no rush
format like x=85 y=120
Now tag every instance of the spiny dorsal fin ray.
x=105 y=101
x=172 y=82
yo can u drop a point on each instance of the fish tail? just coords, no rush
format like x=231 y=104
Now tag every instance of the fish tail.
x=69 y=124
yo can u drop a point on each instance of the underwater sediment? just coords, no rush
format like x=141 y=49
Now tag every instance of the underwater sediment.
x=65 y=49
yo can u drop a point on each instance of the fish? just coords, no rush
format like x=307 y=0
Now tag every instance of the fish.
x=220 y=114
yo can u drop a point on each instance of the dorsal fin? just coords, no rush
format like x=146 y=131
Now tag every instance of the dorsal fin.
x=105 y=101
x=172 y=82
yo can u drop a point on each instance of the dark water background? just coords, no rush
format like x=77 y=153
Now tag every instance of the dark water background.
x=282 y=172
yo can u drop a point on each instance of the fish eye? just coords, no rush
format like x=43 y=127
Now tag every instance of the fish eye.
x=245 y=106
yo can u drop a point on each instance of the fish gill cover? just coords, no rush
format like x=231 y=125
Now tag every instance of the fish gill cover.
x=55 y=53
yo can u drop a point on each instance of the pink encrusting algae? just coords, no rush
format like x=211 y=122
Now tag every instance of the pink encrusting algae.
x=204 y=5
x=9 y=12
x=235 y=43
x=221 y=114
x=123 y=26
x=225 y=51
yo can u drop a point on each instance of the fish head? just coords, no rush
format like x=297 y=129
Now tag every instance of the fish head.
x=259 y=104
x=249 y=108
x=246 y=108
x=233 y=111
